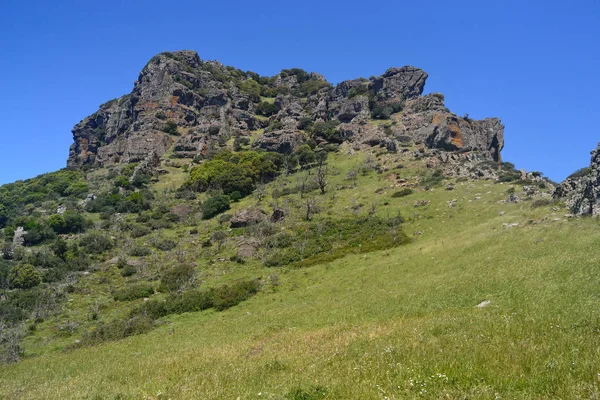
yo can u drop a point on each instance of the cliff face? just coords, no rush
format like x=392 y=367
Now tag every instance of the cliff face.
x=183 y=103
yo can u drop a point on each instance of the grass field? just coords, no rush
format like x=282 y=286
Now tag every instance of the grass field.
x=392 y=324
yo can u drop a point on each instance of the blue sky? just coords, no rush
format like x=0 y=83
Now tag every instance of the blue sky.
x=534 y=64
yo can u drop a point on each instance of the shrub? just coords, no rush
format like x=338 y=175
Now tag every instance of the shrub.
x=215 y=205
x=140 y=251
x=234 y=172
x=133 y=292
x=96 y=243
x=177 y=278
x=142 y=318
x=170 y=127
x=542 y=203
x=164 y=244
x=267 y=109
x=403 y=192
x=137 y=230
x=433 y=180
x=24 y=276
x=230 y=295
x=511 y=176
x=128 y=270
x=118 y=329
x=579 y=173
x=69 y=222
x=328 y=131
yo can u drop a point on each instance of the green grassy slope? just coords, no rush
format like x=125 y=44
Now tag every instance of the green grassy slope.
x=391 y=324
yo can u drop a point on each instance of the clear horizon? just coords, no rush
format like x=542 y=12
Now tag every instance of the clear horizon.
x=532 y=65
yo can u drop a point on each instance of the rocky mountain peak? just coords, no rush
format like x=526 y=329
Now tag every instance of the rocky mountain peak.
x=193 y=107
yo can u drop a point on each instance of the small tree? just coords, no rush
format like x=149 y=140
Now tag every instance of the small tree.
x=260 y=193
x=24 y=276
x=321 y=177
x=311 y=207
x=220 y=237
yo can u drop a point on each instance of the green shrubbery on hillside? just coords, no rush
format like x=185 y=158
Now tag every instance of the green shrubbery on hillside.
x=234 y=172
x=33 y=192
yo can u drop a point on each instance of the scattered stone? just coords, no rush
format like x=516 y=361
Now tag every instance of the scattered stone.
x=512 y=198
x=509 y=226
x=61 y=210
x=483 y=304
x=421 y=203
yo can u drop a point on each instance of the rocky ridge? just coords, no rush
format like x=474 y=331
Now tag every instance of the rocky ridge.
x=193 y=107
x=581 y=192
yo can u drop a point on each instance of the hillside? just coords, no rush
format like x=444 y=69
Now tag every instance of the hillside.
x=218 y=234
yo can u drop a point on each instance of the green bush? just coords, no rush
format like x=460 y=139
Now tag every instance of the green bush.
x=579 y=173
x=542 y=203
x=117 y=329
x=170 y=127
x=234 y=172
x=128 y=270
x=215 y=205
x=433 y=179
x=142 y=319
x=24 y=276
x=69 y=222
x=133 y=292
x=96 y=243
x=137 y=230
x=327 y=130
x=267 y=109
x=164 y=244
x=403 y=192
x=140 y=251
x=176 y=278
x=220 y=298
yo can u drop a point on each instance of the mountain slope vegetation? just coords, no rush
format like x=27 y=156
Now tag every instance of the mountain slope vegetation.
x=312 y=252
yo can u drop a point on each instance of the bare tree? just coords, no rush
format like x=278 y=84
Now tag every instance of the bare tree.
x=303 y=184
x=321 y=177
x=311 y=207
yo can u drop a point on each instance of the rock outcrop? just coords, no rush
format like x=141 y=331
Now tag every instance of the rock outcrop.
x=192 y=107
x=582 y=193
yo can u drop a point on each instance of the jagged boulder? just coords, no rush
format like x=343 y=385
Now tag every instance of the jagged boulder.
x=249 y=216
x=429 y=122
x=582 y=194
x=400 y=83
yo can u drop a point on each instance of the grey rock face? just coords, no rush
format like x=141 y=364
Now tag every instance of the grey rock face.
x=428 y=121
x=400 y=83
x=191 y=106
x=582 y=194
